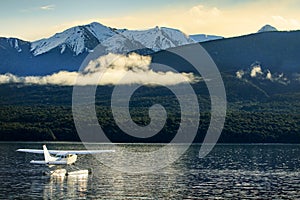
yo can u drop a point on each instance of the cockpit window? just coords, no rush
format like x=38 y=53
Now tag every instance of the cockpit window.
x=60 y=156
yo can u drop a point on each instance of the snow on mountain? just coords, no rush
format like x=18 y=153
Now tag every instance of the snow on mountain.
x=74 y=38
x=100 y=31
x=177 y=37
x=14 y=43
x=81 y=39
x=204 y=37
x=157 y=38
x=267 y=28
x=120 y=44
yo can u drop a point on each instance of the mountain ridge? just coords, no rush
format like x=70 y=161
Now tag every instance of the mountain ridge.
x=17 y=57
x=84 y=38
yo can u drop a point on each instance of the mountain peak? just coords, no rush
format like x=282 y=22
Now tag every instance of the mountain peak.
x=78 y=39
x=267 y=28
x=94 y=24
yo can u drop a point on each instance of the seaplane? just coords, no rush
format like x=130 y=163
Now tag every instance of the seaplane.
x=61 y=158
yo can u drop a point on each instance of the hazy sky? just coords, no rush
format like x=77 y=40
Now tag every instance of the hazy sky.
x=35 y=19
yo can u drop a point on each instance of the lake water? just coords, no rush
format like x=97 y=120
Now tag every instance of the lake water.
x=228 y=172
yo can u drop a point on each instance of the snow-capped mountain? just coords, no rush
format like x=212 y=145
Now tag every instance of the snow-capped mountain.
x=204 y=37
x=66 y=51
x=81 y=39
x=267 y=28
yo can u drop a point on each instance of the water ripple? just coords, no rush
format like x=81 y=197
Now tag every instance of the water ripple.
x=228 y=172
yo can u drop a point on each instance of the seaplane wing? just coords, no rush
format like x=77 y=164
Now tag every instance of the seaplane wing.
x=82 y=152
x=41 y=162
x=31 y=151
x=62 y=152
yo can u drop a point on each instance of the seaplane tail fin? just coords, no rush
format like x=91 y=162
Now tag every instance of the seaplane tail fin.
x=46 y=154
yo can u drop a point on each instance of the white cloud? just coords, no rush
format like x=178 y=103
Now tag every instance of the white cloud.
x=60 y=78
x=227 y=21
x=286 y=23
x=47 y=7
x=269 y=75
x=110 y=69
x=264 y=75
x=217 y=19
x=255 y=70
x=201 y=10
x=129 y=69
x=296 y=76
x=240 y=74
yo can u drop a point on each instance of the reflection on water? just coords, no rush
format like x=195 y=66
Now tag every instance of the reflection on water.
x=67 y=186
x=55 y=187
x=229 y=171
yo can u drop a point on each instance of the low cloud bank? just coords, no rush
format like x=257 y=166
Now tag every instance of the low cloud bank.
x=111 y=69
x=256 y=71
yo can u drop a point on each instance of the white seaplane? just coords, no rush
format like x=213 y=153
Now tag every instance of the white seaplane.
x=61 y=158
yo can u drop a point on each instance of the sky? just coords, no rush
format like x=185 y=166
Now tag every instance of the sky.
x=35 y=19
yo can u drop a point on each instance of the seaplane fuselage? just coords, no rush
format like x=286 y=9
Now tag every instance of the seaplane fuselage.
x=58 y=159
